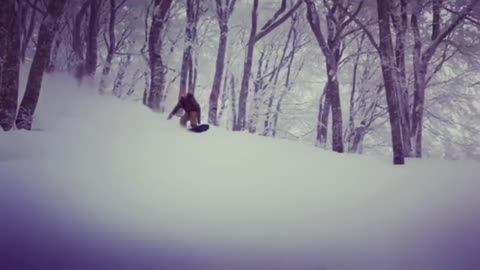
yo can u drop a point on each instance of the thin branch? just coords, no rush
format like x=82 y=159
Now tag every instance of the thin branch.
x=348 y=58
x=348 y=21
x=147 y=15
x=273 y=25
x=474 y=84
x=119 y=5
x=314 y=21
x=430 y=50
x=282 y=8
x=363 y=27
x=468 y=18
x=34 y=6
x=231 y=7
x=105 y=39
x=444 y=58
x=344 y=35
x=125 y=34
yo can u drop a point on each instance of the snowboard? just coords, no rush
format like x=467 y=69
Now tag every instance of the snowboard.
x=200 y=128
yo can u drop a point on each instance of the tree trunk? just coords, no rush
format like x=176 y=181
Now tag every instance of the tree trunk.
x=357 y=138
x=224 y=10
x=118 y=82
x=267 y=124
x=147 y=87
x=258 y=92
x=78 y=43
x=331 y=48
x=91 y=54
x=186 y=64
x=214 y=94
x=349 y=134
x=247 y=70
x=192 y=79
x=337 y=123
x=28 y=35
x=388 y=64
x=322 y=120
x=51 y=66
x=187 y=74
x=105 y=73
x=224 y=98
x=110 y=48
x=400 y=25
x=242 y=105
x=157 y=74
x=233 y=96
x=46 y=35
x=278 y=108
x=331 y=101
x=9 y=63
x=418 y=107
x=22 y=15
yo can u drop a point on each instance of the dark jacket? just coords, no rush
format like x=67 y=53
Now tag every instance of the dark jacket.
x=187 y=103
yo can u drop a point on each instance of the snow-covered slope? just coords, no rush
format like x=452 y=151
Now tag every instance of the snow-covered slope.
x=107 y=184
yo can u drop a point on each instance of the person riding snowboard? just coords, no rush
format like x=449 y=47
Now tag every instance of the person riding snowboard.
x=192 y=110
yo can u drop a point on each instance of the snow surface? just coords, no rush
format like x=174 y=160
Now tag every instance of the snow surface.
x=107 y=184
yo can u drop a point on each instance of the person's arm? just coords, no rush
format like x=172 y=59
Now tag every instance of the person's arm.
x=175 y=110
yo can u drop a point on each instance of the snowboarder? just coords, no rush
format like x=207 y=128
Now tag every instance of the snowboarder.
x=189 y=104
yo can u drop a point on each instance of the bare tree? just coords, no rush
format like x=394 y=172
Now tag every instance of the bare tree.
x=262 y=79
x=187 y=72
x=224 y=98
x=290 y=76
x=280 y=16
x=365 y=97
x=332 y=47
x=157 y=69
x=118 y=82
x=92 y=45
x=224 y=9
x=27 y=31
x=111 y=41
x=47 y=31
x=9 y=63
x=388 y=70
x=411 y=113
x=53 y=61
x=233 y=103
x=78 y=42
x=400 y=23
x=274 y=74
x=421 y=60
x=286 y=56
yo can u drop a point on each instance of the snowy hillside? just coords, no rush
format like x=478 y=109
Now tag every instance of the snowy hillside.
x=123 y=188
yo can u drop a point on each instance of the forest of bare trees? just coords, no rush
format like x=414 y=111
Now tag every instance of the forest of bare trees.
x=396 y=77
